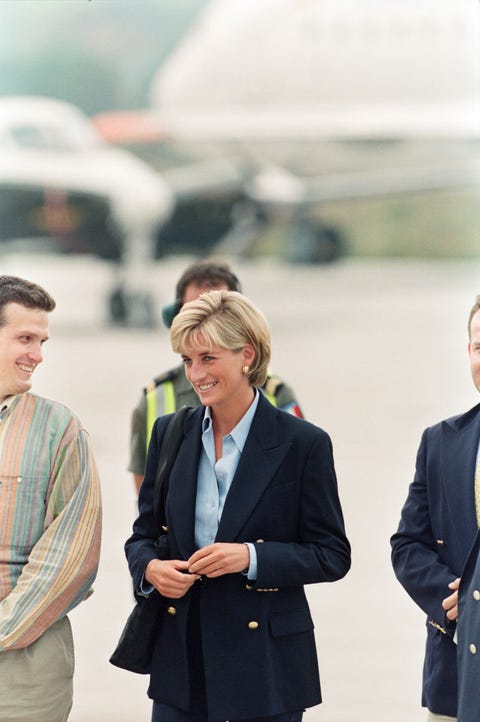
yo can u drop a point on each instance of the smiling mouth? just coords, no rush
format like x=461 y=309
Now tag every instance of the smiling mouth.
x=206 y=387
x=27 y=369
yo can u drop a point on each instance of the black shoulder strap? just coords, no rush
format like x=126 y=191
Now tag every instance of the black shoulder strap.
x=168 y=453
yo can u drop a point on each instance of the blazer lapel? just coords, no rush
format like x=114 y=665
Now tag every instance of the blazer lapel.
x=459 y=452
x=260 y=459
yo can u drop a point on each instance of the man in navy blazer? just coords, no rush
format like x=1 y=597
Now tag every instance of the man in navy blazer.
x=259 y=646
x=437 y=528
x=468 y=654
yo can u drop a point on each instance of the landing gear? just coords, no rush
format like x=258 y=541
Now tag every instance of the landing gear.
x=131 y=308
x=313 y=243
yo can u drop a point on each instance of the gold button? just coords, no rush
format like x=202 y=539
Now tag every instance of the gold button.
x=171 y=610
x=259 y=541
x=253 y=625
x=249 y=587
x=476 y=595
x=473 y=649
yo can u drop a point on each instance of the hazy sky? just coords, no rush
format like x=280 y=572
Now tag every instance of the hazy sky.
x=97 y=53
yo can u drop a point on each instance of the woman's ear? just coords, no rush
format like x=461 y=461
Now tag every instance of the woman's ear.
x=248 y=354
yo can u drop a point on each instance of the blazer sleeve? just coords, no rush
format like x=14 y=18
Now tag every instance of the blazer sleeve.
x=140 y=546
x=415 y=556
x=322 y=552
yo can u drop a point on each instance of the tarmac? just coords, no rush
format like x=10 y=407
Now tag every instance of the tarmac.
x=376 y=351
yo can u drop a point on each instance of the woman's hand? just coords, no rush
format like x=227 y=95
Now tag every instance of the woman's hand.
x=170 y=577
x=220 y=558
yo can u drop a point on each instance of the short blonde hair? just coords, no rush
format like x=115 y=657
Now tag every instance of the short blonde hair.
x=224 y=319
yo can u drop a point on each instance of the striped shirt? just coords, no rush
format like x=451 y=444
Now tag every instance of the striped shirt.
x=50 y=517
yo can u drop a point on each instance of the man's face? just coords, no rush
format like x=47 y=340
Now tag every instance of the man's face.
x=474 y=349
x=21 y=340
x=193 y=291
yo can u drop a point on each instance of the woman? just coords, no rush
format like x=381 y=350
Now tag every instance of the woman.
x=253 y=514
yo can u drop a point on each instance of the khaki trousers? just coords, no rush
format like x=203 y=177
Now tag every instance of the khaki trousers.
x=432 y=717
x=36 y=683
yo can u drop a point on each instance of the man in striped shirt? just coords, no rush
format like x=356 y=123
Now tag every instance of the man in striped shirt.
x=50 y=519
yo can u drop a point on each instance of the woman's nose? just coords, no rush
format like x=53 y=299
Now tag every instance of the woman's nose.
x=195 y=371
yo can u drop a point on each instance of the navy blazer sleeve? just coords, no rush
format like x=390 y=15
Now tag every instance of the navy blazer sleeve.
x=143 y=537
x=322 y=552
x=415 y=550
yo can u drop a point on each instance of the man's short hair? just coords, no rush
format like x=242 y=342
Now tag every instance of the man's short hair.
x=25 y=293
x=475 y=308
x=207 y=274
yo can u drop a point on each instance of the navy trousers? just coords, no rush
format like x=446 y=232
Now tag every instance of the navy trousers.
x=163 y=713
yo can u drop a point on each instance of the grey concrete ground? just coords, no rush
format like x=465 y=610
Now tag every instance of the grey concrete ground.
x=376 y=351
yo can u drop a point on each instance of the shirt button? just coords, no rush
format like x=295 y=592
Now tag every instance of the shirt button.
x=19 y=479
x=476 y=595
x=473 y=648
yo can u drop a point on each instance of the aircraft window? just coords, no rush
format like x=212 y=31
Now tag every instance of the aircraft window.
x=27 y=136
x=53 y=137
x=368 y=143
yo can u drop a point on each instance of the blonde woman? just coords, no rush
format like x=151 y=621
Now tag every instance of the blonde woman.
x=253 y=515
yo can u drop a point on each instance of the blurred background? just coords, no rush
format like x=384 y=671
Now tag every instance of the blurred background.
x=328 y=149
x=303 y=130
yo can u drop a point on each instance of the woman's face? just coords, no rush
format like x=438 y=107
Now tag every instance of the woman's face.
x=216 y=373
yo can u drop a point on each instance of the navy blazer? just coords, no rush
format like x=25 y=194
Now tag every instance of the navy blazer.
x=468 y=642
x=436 y=531
x=258 y=639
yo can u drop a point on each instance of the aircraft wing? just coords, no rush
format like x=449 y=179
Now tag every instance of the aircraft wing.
x=276 y=186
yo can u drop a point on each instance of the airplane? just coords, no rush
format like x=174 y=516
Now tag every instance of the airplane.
x=322 y=101
x=63 y=188
x=265 y=111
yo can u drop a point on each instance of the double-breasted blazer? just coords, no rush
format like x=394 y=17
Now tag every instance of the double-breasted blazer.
x=436 y=530
x=258 y=636
x=468 y=641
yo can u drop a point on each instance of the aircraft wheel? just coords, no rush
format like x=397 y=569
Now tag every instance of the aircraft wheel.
x=131 y=308
x=309 y=243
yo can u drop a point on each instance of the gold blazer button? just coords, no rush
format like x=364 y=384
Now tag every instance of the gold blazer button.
x=253 y=625
x=171 y=610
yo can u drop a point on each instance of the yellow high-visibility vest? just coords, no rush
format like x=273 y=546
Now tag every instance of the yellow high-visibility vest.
x=161 y=400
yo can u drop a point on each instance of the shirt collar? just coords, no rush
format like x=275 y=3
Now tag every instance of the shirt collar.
x=6 y=403
x=240 y=432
